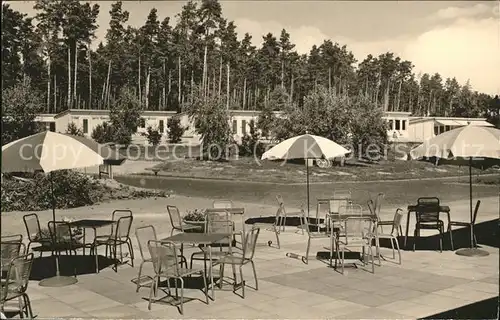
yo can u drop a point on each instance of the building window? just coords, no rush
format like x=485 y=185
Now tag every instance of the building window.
x=142 y=123
x=398 y=123
x=52 y=126
x=403 y=125
x=235 y=126
x=162 y=126
x=85 y=126
x=243 y=127
x=447 y=128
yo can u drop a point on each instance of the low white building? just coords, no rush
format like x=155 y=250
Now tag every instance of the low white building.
x=424 y=128
x=402 y=127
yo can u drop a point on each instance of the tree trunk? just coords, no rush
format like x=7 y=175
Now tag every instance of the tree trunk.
x=330 y=80
x=220 y=77
x=377 y=90
x=164 y=89
x=146 y=93
x=179 y=64
x=139 y=81
x=75 y=97
x=106 y=95
x=48 y=84
x=90 y=78
x=290 y=98
x=282 y=74
x=55 y=94
x=169 y=81
x=386 y=95
x=205 y=73
x=69 y=77
x=429 y=104
x=399 y=94
x=227 y=86
x=244 y=93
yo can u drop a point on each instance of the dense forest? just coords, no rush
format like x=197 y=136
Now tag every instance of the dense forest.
x=167 y=63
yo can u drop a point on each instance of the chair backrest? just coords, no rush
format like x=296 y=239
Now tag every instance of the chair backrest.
x=378 y=204
x=117 y=214
x=322 y=209
x=357 y=227
x=427 y=209
x=32 y=225
x=281 y=204
x=476 y=209
x=164 y=256
x=123 y=226
x=371 y=206
x=250 y=242
x=222 y=204
x=11 y=247
x=214 y=224
x=351 y=209
x=60 y=232
x=18 y=275
x=143 y=235
x=218 y=214
x=396 y=221
x=336 y=203
x=175 y=217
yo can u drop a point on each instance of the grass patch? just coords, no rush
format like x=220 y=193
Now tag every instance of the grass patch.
x=250 y=169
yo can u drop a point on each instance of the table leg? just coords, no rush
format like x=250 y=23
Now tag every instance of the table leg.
x=210 y=270
x=407 y=226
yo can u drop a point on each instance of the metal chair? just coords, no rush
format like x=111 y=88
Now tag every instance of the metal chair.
x=274 y=227
x=16 y=285
x=177 y=223
x=63 y=240
x=215 y=224
x=394 y=234
x=121 y=236
x=427 y=214
x=164 y=257
x=464 y=224
x=358 y=234
x=281 y=217
x=34 y=232
x=313 y=235
x=143 y=235
x=11 y=247
x=241 y=259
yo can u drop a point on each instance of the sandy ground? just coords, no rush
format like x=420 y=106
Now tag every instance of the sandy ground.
x=146 y=211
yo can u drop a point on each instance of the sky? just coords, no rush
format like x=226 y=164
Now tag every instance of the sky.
x=455 y=38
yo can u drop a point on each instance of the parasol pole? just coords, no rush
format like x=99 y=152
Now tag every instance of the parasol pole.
x=307 y=184
x=57 y=280
x=472 y=251
x=470 y=204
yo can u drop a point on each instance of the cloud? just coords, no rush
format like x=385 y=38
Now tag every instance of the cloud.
x=304 y=37
x=466 y=48
x=463 y=12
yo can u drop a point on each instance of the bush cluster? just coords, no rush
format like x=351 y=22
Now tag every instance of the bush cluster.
x=71 y=189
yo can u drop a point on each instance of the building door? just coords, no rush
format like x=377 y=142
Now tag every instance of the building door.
x=52 y=126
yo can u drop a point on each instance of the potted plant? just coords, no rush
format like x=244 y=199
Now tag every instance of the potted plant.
x=195 y=217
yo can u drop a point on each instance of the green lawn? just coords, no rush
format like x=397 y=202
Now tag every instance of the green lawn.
x=249 y=169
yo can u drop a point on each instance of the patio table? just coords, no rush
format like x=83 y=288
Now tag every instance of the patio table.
x=90 y=224
x=205 y=239
x=413 y=209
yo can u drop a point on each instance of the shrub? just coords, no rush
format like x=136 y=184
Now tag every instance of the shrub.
x=103 y=133
x=175 y=130
x=71 y=189
x=74 y=130
x=250 y=144
x=153 y=136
